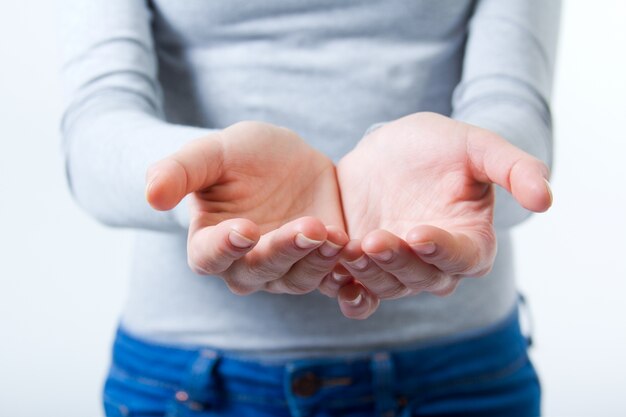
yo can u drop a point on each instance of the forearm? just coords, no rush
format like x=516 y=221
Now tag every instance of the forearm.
x=113 y=126
x=108 y=146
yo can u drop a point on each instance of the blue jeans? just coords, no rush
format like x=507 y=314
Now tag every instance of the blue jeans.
x=482 y=373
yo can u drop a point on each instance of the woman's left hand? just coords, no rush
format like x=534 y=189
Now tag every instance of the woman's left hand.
x=417 y=195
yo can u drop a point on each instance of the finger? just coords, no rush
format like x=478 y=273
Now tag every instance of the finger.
x=456 y=253
x=449 y=287
x=495 y=160
x=278 y=250
x=376 y=280
x=332 y=282
x=356 y=302
x=212 y=250
x=307 y=274
x=196 y=166
x=394 y=256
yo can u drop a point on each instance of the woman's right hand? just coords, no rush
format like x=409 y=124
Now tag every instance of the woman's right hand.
x=265 y=207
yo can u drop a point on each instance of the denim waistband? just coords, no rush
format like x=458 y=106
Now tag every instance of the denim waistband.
x=203 y=375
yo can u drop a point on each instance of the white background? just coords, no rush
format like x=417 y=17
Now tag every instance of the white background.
x=62 y=276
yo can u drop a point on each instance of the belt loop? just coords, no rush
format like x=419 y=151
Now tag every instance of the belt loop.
x=382 y=379
x=200 y=388
x=526 y=320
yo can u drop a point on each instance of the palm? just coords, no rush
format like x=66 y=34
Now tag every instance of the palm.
x=404 y=175
x=424 y=178
x=265 y=210
x=417 y=195
x=270 y=176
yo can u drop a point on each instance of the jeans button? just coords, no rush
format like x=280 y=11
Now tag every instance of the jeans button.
x=306 y=385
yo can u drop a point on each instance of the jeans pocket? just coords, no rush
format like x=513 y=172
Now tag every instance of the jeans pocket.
x=113 y=409
x=128 y=395
x=510 y=391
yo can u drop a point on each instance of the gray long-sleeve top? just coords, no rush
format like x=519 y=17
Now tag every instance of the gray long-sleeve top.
x=144 y=77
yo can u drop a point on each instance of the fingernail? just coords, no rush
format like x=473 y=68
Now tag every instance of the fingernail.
x=238 y=240
x=360 y=263
x=340 y=278
x=330 y=249
x=304 y=242
x=384 y=256
x=549 y=188
x=356 y=301
x=426 y=248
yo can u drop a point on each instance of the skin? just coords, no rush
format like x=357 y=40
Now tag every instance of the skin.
x=418 y=201
x=265 y=210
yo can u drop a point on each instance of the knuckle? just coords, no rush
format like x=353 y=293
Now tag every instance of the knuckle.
x=399 y=264
x=196 y=265
x=318 y=266
x=480 y=272
x=253 y=128
x=356 y=315
x=373 y=277
x=486 y=270
x=329 y=287
x=247 y=125
x=298 y=286
x=445 y=285
x=383 y=284
x=328 y=292
x=276 y=265
x=192 y=254
x=266 y=271
x=239 y=288
x=482 y=261
x=434 y=281
x=447 y=290
x=396 y=291
x=197 y=270
x=202 y=265
x=424 y=282
x=458 y=261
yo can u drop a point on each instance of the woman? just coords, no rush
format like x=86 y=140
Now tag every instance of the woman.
x=234 y=113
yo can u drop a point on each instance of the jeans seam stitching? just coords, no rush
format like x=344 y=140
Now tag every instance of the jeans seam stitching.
x=118 y=372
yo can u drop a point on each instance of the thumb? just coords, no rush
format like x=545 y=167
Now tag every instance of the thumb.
x=495 y=160
x=196 y=166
